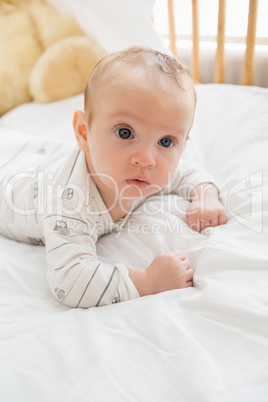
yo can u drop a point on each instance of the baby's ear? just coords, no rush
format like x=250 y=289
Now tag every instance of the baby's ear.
x=80 y=130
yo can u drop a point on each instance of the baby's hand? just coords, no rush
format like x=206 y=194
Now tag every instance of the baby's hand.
x=205 y=208
x=167 y=271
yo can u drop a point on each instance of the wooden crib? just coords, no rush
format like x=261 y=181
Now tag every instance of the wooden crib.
x=219 y=68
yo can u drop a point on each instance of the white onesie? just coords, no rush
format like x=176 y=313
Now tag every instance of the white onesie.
x=48 y=197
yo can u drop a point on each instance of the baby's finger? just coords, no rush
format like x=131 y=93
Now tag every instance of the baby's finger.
x=180 y=255
x=204 y=223
x=222 y=218
x=187 y=265
x=190 y=274
x=194 y=224
x=214 y=221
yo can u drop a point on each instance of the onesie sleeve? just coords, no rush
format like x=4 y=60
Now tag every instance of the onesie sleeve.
x=188 y=175
x=76 y=276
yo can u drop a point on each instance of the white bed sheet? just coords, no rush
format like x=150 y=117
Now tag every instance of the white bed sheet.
x=206 y=343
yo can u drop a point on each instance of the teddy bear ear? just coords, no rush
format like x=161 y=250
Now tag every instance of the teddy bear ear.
x=63 y=69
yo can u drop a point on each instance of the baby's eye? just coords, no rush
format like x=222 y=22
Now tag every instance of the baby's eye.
x=124 y=133
x=166 y=142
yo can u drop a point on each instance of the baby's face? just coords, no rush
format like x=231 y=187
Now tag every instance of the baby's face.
x=137 y=135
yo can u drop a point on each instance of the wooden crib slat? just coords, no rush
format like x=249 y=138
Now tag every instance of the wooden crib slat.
x=195 y=55
x=172 y=31
x=219 y=72
x=248 y=72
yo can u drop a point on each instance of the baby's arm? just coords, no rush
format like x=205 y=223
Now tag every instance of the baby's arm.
x=76 y=276
x=205 y=208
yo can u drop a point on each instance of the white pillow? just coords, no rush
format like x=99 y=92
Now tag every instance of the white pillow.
x=115 y=24
x=50 y=120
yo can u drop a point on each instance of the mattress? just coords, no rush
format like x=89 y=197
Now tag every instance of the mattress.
x=206 y=343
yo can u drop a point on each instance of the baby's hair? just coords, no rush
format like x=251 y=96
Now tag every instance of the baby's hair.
x=153 y=62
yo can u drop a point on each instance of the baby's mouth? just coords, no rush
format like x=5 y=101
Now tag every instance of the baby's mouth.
x=138 y=182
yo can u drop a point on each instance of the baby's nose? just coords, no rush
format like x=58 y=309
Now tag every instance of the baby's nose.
x=144 y=157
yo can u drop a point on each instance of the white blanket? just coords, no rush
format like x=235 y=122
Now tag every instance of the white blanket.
x=206 y=343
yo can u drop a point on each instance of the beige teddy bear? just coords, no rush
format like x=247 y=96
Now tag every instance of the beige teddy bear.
x=44 y=56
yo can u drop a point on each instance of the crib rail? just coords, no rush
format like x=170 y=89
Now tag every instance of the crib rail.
x=219 y=68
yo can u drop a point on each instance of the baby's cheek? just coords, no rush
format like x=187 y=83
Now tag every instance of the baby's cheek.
x=164 y=179
x=169 y=172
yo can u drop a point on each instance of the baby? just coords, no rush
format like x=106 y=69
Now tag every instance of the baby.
x=139 y=109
